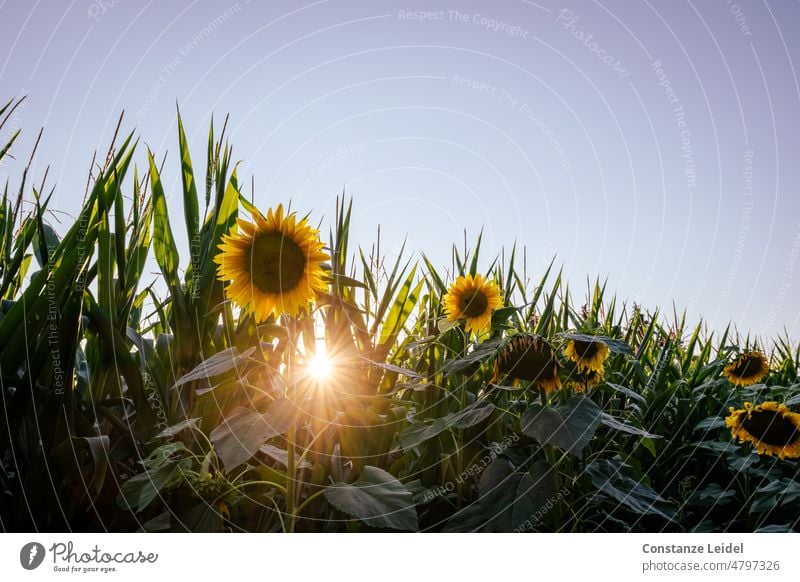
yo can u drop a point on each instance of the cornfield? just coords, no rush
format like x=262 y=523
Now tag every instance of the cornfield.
x=283 y=379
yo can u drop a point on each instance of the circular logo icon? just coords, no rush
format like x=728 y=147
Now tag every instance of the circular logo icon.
x=31 y=555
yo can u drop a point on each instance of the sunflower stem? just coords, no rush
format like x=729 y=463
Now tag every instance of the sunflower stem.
x=291 y=436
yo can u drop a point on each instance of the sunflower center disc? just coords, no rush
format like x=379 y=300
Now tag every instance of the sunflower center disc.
x=585 y=349
x=473 y=304
x=526 y=361
x=748 y=367
x=277 y=262
x=771 y=428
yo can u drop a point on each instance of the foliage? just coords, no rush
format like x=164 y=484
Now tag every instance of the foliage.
x=131 y=404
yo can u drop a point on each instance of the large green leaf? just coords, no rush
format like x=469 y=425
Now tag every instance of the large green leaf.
x=509 y=499
x=609 y=477
x=243 y=432
x=473 y=414
x=569 y=427
x=616 y=424
x=377 y=499
x=164 y=245
x=219 y=363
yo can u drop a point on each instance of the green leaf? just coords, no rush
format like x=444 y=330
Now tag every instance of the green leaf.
x=401 y=309
x=473 y=414
x=140 y=490
x=219 y=363
x=477 y=356
x=190 y=202
x=627 y=392
x=609 y=477
x=393 y=368
x=243 y=432
x=377 y=499
x=569 y=427
x=616 y=424
x=710 y=423
x=420 y=432
x=712 y=496
x=509 y=499
x=171 y=431
x=163 y=242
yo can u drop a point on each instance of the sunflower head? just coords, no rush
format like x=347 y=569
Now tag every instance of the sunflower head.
x=585 y=380
x=771 y=427
x=588 y=354
x=274 y=264
x=473 y=298
x=748 y=368
x=527 y=357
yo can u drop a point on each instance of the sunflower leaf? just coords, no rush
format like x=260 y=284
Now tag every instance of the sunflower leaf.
x=569 y=427
x=243 y=432
x=610 y=478
x=219 y=363
x=616 y=424
x=377 y=499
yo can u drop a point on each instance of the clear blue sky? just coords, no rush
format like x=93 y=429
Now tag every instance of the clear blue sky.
x=653 y=142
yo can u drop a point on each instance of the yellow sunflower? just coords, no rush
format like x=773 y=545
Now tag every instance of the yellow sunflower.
x=473 y=298
x=586 y=380
x=749 y=368
x=771 y=427
x=275 y=264
x=588 y=355
x=529 y=358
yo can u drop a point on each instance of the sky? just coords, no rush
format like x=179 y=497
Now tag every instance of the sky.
x=651 y=143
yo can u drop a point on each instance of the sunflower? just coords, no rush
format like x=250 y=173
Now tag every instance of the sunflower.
x=589 y=355
x=771 y=427
x=473 y=298
x=749 y=368
x=530 y=358
x=275 y=264
x=584 y=381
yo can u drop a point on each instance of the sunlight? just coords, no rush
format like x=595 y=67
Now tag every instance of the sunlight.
x=320 y=367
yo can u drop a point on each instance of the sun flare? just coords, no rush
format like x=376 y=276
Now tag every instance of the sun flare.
x=320 y=367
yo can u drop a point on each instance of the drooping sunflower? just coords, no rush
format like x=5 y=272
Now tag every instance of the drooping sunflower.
x=473 y=298
x=586 y=380
x=771 y=427
x=528 y=357
x=589 y=355
x=748 y=368
x=274 y=264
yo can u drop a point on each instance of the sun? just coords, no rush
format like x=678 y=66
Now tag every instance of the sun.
x=320 y=367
